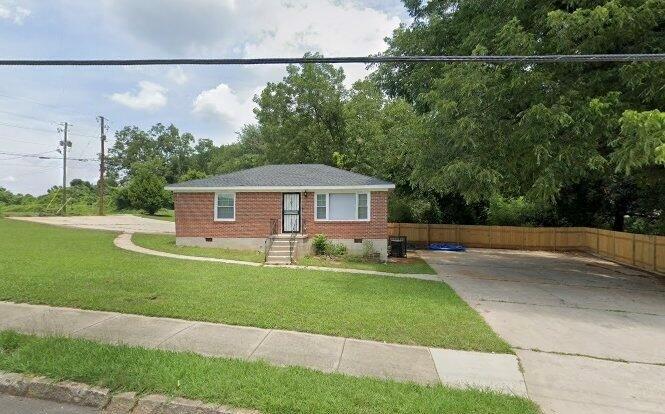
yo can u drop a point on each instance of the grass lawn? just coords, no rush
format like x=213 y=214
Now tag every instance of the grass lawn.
x=83 y=269
x=254 y=385
x=410 y=265
x=166 y=243
x=163 y=214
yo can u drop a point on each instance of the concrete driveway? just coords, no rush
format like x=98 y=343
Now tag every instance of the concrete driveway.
x=590 y=334
x=124 y=223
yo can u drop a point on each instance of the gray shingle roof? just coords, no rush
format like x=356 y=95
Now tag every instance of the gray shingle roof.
x=287 y=175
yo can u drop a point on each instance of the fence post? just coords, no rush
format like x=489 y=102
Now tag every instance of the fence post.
x=654 y=239
x=490 y=235
x=523 y=238
x=428 y=237
x=399 y=229
x=555 y=239
x=598 y=241
x=633 y=249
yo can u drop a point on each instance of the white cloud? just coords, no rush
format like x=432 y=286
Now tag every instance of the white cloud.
x=224 y=104
x=173 y=25
x=151 y=96
x=255 y=28
x=177 y=75
x=9 y=179
x=16 y=14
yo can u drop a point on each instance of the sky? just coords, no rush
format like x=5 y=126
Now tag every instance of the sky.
x=209 y=102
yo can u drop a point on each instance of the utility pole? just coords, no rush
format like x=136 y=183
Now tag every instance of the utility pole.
x=102 y=167
x=64 y=144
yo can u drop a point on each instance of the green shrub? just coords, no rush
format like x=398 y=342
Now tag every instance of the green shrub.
x=145 y=190
x=335 y=249
x=320 y=244
x=368 y=248
x=503 y=211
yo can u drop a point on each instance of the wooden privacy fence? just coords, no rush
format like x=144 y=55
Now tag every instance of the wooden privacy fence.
x=639 y=250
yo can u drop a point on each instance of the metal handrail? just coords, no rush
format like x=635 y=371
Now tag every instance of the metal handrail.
x=292 y=241
x=269 y=240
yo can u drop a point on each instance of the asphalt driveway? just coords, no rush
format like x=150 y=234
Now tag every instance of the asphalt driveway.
x=590 y=334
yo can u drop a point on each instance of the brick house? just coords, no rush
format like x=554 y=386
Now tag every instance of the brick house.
x=279 y=208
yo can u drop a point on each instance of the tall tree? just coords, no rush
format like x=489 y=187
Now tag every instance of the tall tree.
x=300 y=119
x=166 y=144
x=531 y=130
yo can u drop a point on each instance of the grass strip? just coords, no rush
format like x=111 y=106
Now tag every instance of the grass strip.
x=254 y=385
x=166 y=243
x=414 y=265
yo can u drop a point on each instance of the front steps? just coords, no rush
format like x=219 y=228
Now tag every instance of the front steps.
x=280 y=248
x=279 y=251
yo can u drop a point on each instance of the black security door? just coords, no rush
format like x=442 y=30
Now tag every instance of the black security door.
x=291 y=212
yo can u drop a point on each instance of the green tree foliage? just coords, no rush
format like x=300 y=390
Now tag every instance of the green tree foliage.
x=145 y=189
x=532 y=130
x=642 y=140
x=166 y=144
x=193 y=175
x=301 y=118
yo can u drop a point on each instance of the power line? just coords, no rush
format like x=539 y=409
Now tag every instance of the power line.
x=622 y=57
x=19 y=155
x=21 y=141
x=28 y=117
x=27 y=127
x=45 y=130
x=71 y=113
x=44 y=157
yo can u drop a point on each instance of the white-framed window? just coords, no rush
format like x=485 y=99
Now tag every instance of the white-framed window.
x=225 y=206
x=321 y=206
x=362 y=206
x=342 y=206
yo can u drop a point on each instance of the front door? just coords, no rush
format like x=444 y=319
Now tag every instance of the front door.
x=291 y=212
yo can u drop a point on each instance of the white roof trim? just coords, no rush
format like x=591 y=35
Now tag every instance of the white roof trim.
x=377 y=187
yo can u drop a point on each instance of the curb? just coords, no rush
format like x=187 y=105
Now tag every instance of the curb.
x=122 y=403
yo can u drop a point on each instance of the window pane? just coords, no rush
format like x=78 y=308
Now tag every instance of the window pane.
x=342 y=206
x=321 y=206
x=362 y=200
x=362 y=206
x=226 y=206
x=225 y=200
x=225 y=212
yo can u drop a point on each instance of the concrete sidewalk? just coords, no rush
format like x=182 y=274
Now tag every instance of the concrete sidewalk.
x=499 y=372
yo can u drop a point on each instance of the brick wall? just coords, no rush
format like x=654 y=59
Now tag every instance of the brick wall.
x=195 y=217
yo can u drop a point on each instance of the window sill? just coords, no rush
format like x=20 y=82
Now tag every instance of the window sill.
x=342 y=221
x=225 y=220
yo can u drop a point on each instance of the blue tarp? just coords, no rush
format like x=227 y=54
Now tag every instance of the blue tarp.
x=447 y=247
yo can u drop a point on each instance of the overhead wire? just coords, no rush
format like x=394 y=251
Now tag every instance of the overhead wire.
x=587 y=58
